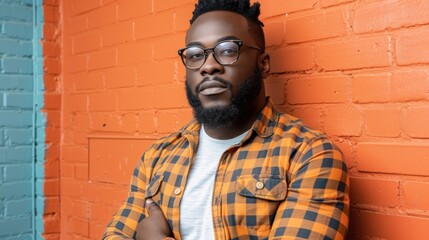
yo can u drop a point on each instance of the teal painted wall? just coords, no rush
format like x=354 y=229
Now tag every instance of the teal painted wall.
x=21 y=98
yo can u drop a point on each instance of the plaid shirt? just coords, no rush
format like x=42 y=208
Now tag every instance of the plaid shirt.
x=282 y=181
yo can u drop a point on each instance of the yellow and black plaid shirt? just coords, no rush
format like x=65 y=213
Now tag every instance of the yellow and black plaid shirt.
x=282 y=181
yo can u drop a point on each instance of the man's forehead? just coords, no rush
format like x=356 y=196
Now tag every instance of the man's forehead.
x=217 y=25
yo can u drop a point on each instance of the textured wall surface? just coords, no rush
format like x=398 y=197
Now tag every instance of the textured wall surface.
x=16 y=119
x=356 y=70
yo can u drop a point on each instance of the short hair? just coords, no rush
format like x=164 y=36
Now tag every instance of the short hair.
x=242 y=7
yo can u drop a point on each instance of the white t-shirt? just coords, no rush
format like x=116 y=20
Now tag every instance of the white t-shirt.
x=196 y=204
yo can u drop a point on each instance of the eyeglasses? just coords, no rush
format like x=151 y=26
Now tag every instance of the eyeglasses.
x=225 y=53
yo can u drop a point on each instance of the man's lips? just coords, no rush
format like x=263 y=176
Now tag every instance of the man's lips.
x=211 y=87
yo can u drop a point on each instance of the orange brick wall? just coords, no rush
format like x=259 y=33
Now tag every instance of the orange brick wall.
x=357 y=70
x=51 y=45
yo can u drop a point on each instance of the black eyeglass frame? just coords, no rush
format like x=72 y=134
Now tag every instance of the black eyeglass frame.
x=206 y=50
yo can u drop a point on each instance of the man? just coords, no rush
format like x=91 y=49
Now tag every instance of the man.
x=241 y=169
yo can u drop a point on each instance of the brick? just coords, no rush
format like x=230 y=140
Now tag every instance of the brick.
x=412 y=48
x=159 y=5
x=128 y=122
x=77 y=24
x=77 y=63
x=1 y=140
x=51 y=205
x=102 y=59
x=324 y=89
x=51 y=49
x=51 y=31
x=274 y=33
x=292 y=59
x=82 y=172
x=371 y=225
x=383 y=122
x=182 y=17
x=165 y=47
x=18 y=30
x=51 y=13
x=18 y=207
x=133 y=8
x=16 y=190
x=75 y=102
x=51 y=187
x=103 y=101
x=368 y=88
x=81 y=6
x=86 y=42
x=380 y=15
x=15 y=12
x=319 y=25
x=134 y=53
x=51 y=224
x=17 y=65
x=52 y=101
x=274 y=87
x=104 y=122
x=416 y=195
x=394 y=158
x=73 y=188
x=89 y=81
x=159 y=72
x=342 y=120
x=19 y=100
x=412 y=85
x=14 y=47
x=117 y=33
x=103 y=16
x=378 y=192
x=15 y=173
x=365 y=52
x=127 y=99
x=16 y=82
x=176 y=97
x=311 y=116
x=166 y=121
x=328 y=3
x=416 y=122
x=279 y=7
x=120 y=77
x=16 y=118
x=19 y=136
x=146 y=121
x=15 y=226
x=144 y=27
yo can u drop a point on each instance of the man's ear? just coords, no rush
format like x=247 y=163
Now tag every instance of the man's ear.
x=264 y=64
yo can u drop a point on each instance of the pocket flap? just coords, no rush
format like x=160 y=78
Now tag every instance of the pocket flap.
x=154 y=185
x=269 y=187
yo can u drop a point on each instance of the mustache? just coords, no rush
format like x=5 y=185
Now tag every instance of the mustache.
x=218 y=79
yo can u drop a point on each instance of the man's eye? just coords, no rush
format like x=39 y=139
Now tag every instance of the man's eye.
x=194 y=56
x=227 y=52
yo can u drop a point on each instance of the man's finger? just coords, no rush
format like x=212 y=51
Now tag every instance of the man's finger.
x=151 y=207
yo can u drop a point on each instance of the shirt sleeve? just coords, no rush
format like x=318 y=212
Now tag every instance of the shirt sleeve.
x=131 y=212
x=317 y=202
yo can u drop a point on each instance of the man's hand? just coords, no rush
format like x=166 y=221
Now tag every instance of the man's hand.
x=154 y=226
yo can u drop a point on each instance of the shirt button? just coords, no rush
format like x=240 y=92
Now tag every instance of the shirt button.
x=259 y=185
x=177 y=191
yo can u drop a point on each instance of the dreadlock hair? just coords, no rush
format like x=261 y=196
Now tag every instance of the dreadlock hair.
x=242 y=7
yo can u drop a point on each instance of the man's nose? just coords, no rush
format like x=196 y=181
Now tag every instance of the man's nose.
x=211 y=66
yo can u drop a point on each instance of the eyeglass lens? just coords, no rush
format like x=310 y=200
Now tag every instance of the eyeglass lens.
x=224 y=52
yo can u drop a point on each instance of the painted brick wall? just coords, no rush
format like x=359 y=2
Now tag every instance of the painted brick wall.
x=16 y=119
x=48 y=146
x=357 y=70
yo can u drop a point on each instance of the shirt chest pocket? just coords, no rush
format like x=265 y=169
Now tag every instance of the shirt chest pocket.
x=255 y=202
x=267 y=187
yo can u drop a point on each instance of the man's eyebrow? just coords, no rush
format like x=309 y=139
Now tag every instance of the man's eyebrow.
x=219 y=40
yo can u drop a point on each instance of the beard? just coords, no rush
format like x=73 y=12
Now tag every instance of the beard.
x=241 y=102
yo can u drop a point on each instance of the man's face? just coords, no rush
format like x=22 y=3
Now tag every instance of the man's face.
x=220 y=93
